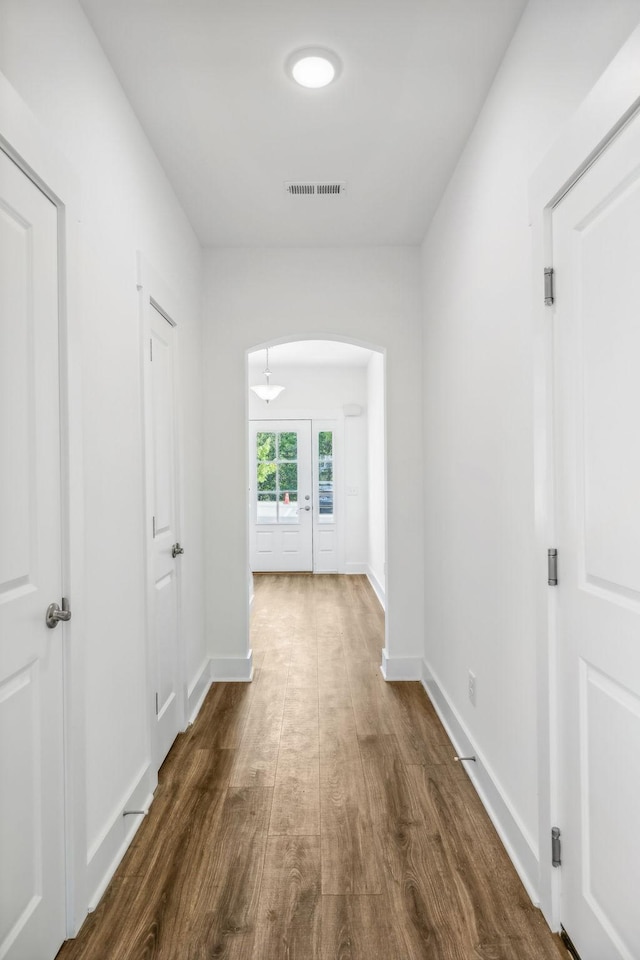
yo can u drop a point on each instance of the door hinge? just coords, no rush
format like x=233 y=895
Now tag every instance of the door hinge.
x=549 y=286
x=153 y=526
x=552 y=567
x=150 y=348
x=556 y=851
x=156 y=704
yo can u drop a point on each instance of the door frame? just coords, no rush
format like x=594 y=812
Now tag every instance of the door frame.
x=30 y=146
x=153 y=291
x=612 y=102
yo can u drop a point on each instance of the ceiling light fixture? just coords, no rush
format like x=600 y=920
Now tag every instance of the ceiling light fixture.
x=267 y=391
x=313 y=67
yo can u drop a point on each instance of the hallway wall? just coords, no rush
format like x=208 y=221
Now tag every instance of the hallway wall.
x=371 y=295
x=480 y=566
x=50 y=55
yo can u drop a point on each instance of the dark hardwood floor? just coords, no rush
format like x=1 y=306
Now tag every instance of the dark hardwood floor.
x=315 y=814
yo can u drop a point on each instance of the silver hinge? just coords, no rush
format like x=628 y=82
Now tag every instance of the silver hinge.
x=156 y=704
x=552 y=567
x=153 y=525
x=556 y=857
x=549 y=292
x=150 y=348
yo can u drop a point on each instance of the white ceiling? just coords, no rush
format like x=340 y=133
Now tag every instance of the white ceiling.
x=207 y=80
x=311 y=353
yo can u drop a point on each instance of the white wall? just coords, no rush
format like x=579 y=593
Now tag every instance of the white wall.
x=311 y=390
x=479 y=562
x=376 y=514
x=51 y=57
x=370 y=295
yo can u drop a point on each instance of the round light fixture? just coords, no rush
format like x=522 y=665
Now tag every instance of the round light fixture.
x=313 y=67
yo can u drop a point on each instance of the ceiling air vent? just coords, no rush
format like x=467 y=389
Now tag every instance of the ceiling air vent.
x=315 y=188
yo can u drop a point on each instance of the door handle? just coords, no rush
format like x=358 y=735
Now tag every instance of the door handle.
x=55 y=613
x=176 y=550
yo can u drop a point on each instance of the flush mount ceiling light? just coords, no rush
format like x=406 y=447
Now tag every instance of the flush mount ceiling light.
x=267 y=391
x=313 y=66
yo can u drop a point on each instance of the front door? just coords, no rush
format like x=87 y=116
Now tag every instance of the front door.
x=596 y=241
x=281 y=496
x=165 y=560
x=32 y=869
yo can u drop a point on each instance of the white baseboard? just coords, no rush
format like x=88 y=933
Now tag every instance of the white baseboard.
x=108 y=850
x=232 y=669
x=198 y=690
x=379 y=592
x=516 y=840
x=400 y=668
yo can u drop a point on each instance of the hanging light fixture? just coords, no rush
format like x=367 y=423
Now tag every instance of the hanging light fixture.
x=267 y=391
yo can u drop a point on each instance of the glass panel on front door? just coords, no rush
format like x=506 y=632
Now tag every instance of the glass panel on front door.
x=325 y=476
x=277 y=477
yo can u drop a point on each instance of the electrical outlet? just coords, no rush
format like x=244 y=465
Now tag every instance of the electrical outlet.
x=352 y=491
x=472 y=687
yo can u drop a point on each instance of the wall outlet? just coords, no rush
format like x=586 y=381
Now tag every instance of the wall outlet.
x=352 y=491
x=472 y=687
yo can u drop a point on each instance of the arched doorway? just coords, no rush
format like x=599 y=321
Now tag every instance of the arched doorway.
x=316 y=459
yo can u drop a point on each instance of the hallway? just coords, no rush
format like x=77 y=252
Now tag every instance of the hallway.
x=315 y=813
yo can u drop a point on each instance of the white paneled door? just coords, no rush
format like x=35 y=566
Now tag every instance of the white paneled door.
x=281 y=496
x=596 y=241
x=165 y=555
x=32 y=868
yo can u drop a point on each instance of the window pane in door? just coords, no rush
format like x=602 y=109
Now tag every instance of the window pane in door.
x=288 y=476
x=325 y=476
x=267 y=475
x=288 y=507
x=265 y=446
x=267 y=508
x=325 y=443
x=288 y=446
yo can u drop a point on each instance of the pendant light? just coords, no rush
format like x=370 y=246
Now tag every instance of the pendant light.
x=267 y=391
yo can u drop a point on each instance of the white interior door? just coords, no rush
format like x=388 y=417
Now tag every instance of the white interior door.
x=32 y=871
x=596 y=240
x=165 y=558
x=281 y=496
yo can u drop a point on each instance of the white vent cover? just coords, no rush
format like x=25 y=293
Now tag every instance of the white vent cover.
x=315 y=188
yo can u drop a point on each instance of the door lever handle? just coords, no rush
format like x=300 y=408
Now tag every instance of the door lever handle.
x=176 y=550
x=55 y=613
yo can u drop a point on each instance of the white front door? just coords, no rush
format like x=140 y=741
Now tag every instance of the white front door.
x=596 y=241
x=281 y=496
x=169 y=708
x=32 y=868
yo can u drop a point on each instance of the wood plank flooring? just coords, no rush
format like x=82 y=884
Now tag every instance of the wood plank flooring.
x=315 y=814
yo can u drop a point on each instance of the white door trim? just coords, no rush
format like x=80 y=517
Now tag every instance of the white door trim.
x=153 y=289
x=31 y=147
x=612 y=102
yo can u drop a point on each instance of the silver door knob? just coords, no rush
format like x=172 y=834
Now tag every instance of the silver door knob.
x=54 y=614
x=176 y=550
